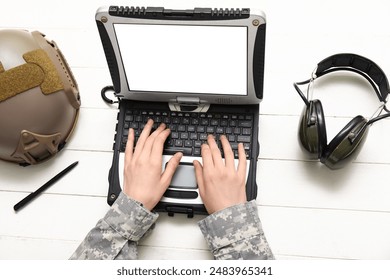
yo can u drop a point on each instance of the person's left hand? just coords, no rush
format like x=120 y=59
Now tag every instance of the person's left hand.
x=144 y=180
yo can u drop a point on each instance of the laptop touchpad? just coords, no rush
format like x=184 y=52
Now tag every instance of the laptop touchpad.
x=184 y=177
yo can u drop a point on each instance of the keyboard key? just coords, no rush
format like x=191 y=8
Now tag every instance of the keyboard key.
x=134 y=125
x=245 y=124
x=204 y=122
x=174 y=135
x=197 y=151
x=232 y=138
x=188 y=143
x=200 y=129
x=234 y=146
x=197 y=144
x=195 y=121
x=244 y=139
x=229 y=130
x=179 y=143
x=185 y=121
x=194 y=136
x=214 y=122
x=220 y=130
x=184 y=135
x=233 y=123
x=174 y=150
x=172 y=127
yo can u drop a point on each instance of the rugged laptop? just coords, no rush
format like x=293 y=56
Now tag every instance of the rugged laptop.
x=200 y=72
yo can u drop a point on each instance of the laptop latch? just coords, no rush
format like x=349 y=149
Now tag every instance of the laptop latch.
x=171 y=210
x=188 y=104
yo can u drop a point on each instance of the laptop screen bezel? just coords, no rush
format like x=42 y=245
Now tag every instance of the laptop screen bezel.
x=252 y=24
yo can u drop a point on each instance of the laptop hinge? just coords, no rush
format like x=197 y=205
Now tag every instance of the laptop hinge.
x=188 y=104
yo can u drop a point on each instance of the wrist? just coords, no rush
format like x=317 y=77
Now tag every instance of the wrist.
x=141 y=201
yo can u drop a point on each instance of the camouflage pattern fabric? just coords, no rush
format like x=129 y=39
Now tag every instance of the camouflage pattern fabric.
x=233 y=233
x=236 y=233
x=116 y=235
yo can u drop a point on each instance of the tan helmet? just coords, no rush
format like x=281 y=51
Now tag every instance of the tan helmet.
x=39 y=98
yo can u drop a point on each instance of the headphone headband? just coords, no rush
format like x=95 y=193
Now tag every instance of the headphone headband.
x=358 y=64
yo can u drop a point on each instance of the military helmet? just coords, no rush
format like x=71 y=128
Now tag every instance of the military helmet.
x=39 y=97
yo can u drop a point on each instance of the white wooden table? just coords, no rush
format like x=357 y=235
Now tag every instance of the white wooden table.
x=307 y=211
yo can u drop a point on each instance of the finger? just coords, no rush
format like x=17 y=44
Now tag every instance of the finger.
x=149 y=143
x=129 y=145
x=241 y=169
x=159 y=141
x=227 y=151
x=215 y=152
x=143 y=137
x=170 y=169
x=199 y=176
x=206 y=156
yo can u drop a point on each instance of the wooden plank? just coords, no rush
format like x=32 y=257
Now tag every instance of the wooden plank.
x=94 y=131
x=20 y=248
x=306 y=184
x=327 y=233
x=89 y=177
x=61 y=217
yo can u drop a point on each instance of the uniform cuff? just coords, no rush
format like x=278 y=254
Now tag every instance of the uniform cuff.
x=127 y=217
x=231 y=225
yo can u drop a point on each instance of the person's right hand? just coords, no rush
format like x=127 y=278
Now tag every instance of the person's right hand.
x=220 y=183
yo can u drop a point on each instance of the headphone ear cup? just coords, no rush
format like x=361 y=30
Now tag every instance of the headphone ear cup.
x=345 y=144
x=312 y=130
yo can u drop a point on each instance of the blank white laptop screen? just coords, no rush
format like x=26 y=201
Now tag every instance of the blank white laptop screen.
x=184 y=58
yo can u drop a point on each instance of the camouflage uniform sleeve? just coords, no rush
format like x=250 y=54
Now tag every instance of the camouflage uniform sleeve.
x=236 y=233
x=116 y=235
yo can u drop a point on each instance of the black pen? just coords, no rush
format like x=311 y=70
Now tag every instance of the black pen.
x=31 y=196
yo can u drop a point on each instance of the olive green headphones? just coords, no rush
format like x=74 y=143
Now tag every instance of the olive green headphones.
x=312 y=129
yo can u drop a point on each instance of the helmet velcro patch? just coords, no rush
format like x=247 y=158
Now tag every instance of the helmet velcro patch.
x=37 y=71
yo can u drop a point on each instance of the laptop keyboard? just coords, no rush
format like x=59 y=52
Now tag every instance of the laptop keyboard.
x=189 y=130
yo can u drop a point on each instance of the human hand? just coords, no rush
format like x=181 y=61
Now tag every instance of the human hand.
x=220 y=183
x=144 y=180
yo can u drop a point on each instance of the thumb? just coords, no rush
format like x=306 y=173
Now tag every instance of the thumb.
x=199 y=175
x=170 y=169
